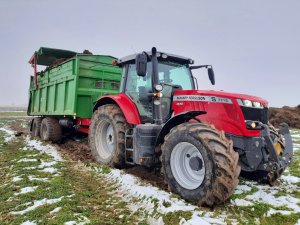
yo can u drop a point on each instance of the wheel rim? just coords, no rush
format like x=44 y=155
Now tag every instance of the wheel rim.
x=187 y=165
x=105 y=139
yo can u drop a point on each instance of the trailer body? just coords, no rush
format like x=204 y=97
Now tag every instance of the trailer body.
x=70 y=88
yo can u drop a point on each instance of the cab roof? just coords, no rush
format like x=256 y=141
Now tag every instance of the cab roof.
x=161 y=56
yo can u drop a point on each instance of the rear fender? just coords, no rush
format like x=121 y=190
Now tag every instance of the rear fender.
x=126 y=105
x=174 y=121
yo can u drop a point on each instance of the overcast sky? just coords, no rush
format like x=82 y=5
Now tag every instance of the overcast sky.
x=254 y=45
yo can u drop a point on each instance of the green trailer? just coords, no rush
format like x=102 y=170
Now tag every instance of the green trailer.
x=70 y=85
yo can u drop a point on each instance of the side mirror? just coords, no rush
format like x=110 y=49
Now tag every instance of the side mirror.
x=211 y=75
x=141 y=64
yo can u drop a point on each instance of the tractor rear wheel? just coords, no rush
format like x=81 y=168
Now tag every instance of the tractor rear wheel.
x=107 y=135
x=50 y=130
x=199 y=164
x=36 y=126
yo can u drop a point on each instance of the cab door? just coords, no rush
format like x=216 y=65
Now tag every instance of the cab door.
x=138 y=89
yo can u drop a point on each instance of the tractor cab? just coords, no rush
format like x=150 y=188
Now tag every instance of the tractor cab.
x=173 y=73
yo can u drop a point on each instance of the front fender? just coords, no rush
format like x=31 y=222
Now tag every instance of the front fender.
x=174 y=121
x=126 y=105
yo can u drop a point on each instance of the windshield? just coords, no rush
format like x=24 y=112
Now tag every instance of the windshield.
x=175 y=74
x=138 y=88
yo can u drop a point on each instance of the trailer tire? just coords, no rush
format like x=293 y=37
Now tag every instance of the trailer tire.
x=107 y=136
x=51 y=130
x=212 y=176
x=36 y=126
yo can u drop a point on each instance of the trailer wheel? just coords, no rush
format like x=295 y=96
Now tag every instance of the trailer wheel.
x=199 y=164
x=50 y=130
x=107 y=135
x=36 y=126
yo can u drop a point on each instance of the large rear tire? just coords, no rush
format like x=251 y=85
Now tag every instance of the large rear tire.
x=199 y=164
x=36 y=126
x=50 y=130
x=107 y=136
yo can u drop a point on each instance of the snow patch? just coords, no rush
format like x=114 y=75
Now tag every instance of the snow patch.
x=46 y=164
x=30 y=177
x=48 y=149
x=241 y=202
x=212 y=221
x=274 y=211
x=84 y=221
x=240 y=189
x=197 y=220
x=26 y=190
x=296 y=146
x=269 y=198
x=290 y=179
x=28 y=160
x=130 y=187
x=295 y=136
x=28 y=223
x=55 y=210
x=49 y=170
x=9 y=134
x=29 y=168
x=17 y=178
x=38 y=203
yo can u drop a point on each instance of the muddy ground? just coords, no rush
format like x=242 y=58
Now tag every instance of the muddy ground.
x=78 y=150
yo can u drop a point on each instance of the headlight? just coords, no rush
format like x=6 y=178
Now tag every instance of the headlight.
x=257 y=105
x=248 y=103
x=158 y=87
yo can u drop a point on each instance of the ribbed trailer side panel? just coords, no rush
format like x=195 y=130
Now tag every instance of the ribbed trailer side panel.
x=72 y=88
x=97 y=76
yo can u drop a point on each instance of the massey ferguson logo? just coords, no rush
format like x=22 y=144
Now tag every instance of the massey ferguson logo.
x=202 y=98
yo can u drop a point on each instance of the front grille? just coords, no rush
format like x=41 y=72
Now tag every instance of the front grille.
x=256 y=114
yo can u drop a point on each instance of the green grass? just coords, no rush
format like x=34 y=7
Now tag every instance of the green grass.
x=10 y=114
x=294 y=168
x=172 y=218
x=88 y=194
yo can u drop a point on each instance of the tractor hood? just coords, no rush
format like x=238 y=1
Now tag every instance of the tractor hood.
x=221 y=94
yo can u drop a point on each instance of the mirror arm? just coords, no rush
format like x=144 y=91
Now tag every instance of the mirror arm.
x=198 y=67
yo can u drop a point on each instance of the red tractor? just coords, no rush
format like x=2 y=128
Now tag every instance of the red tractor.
x=200 y=139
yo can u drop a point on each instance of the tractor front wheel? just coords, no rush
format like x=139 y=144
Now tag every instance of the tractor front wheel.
x=199 y=164
x=107 y=135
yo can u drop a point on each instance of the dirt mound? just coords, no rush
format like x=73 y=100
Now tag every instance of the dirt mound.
x=289 y=115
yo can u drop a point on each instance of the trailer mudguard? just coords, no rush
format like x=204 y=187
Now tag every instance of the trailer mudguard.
x=174 y=121
x=126 y=105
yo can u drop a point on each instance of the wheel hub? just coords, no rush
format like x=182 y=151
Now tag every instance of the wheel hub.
x=187 y=165
x=105 y=141
x=196 y=163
